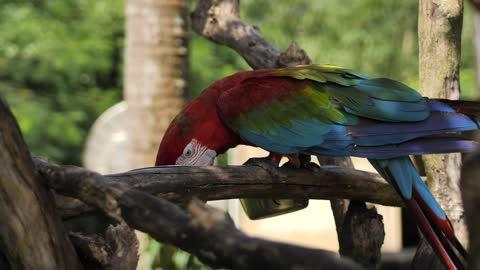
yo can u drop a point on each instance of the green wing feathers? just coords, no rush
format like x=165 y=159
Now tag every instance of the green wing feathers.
x=380 y=99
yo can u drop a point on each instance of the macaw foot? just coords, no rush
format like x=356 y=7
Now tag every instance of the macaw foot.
x=297 y=161
x=269 y=164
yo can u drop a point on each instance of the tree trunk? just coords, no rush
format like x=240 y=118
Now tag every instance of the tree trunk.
x=31 y=235
x=156 y=65
x=439 y=30
x=470 y=190
x=476 y=39
x=360 y=230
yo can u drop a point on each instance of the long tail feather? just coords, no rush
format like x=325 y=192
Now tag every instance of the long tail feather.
x=431 y=235
x=430 y=218
x=446 y=225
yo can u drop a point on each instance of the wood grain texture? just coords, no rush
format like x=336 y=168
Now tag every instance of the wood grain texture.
x=439 y=35
x=439 y=32
x=216 y=183
x=360 y=230
x=219 y=21
x=31 y=234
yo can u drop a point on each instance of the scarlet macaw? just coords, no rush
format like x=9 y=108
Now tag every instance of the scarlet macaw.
x=326 y=110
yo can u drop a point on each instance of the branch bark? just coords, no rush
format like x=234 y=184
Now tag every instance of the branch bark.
x=31 y=235
x=360 y=230
x=205 y=232
x=218 y=183
x=219 y=21
x=180 y=184
x=117 y=251
x=439 y=30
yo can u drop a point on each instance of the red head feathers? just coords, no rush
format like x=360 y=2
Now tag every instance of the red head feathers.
x=197 y=134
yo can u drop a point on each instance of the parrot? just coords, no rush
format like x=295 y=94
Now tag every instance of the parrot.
x=331 y=111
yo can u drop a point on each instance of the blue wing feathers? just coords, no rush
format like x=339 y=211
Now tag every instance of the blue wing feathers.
x=370 y=139
x=438 y=106
x=382 y=119
x=371 y=133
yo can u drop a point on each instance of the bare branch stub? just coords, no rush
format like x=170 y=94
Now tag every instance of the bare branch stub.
x=205 y=232
x=118 y=250
x=293 y=56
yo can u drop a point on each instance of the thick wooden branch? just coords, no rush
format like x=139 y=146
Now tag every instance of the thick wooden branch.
x=219 y=21
x=205 y=232
x=178 y=183
x=181 y=184
x=31 y=235
x=360 y=230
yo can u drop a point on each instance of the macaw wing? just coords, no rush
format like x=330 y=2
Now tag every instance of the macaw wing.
x=280 y=114
x=293 y=109
x=380 y=99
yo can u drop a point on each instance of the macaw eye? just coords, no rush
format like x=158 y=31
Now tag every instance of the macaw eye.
x=188 y=151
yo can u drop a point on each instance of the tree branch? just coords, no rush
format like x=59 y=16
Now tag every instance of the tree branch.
x=205 y=232
x=217 y=183
x=218 y=20
x=181 y=184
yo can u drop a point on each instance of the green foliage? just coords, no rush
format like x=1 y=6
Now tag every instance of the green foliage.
x=60 y=67
x=61 y=62
x=166 y=257
x=376 y=37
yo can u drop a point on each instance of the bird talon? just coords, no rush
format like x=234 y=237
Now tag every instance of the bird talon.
x=268 y=164
x=311 y=166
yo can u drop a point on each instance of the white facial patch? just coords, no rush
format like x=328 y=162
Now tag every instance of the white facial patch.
x=196 y=154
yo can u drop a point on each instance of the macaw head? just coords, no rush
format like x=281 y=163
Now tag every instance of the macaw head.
x=184 y=143
x=195 y=137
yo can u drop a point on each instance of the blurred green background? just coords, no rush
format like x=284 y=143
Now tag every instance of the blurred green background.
x=61 y=61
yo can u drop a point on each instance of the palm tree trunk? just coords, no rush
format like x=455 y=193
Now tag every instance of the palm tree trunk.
x=156 y=61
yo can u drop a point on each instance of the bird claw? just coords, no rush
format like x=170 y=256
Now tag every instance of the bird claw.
x=268 y=164
x=299 y=161
x=311 y=166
